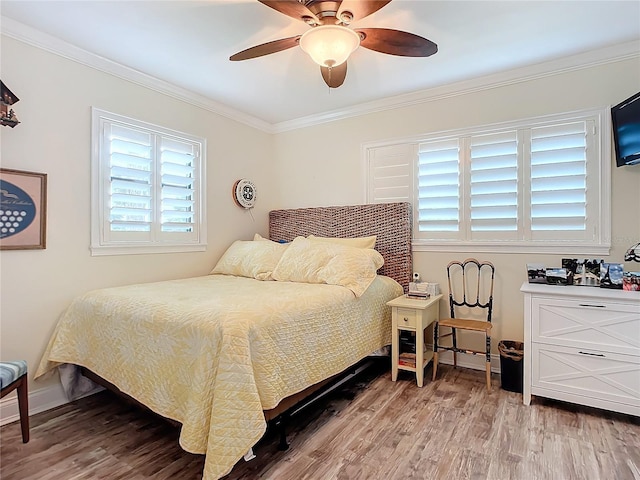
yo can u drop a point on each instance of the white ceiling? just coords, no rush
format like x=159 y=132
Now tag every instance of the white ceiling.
x=188 y=44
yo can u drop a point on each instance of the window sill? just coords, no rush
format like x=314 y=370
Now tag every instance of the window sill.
x=548 y=248
x=104 y=250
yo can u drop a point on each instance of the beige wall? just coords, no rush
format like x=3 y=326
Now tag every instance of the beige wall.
x=334 y=150
x=56 y=96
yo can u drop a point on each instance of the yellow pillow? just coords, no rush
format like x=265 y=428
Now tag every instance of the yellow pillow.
x=307 y=261
x=250 y=259
x=358 y=242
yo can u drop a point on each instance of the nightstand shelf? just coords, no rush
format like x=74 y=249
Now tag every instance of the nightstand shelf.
x=413 y=315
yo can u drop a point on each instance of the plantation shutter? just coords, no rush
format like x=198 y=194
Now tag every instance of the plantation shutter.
x=178 y=163
x=559 y=178
x=129 y=203
x=494 y=185
x=534 y=185
x=390 y=172
x=147 y=186
x=439 y=188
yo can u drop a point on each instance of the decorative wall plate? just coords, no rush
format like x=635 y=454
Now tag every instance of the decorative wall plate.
x=244 y=193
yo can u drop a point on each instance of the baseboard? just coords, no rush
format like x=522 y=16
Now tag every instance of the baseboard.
x=40 y=400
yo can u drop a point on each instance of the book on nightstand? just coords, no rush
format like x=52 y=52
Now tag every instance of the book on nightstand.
x=417 y=296
x=407 y=359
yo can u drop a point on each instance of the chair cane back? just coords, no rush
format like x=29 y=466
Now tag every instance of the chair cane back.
x=470 y=294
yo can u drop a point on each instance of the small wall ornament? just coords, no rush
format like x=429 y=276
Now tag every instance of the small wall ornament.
x=8 y=117
x=244 y=193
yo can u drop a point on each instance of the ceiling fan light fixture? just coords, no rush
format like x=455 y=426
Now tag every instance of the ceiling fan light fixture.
x=329 y=45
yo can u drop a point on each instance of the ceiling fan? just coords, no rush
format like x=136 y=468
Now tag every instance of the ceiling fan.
x=330 y=40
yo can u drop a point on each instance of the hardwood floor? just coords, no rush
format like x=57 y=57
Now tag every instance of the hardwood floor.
x=373 y=429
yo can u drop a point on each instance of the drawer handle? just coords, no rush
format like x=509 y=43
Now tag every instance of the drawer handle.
x=406 y=319
x=596 y=306
x=592 y=354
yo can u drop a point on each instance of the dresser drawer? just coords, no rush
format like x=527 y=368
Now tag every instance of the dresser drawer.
x=598 y=325
x=594 y=374
x=406 y=317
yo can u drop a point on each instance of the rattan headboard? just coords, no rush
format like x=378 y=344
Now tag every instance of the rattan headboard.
x=390 y=222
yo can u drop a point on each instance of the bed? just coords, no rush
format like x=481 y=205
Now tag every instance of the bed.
x=223 y=353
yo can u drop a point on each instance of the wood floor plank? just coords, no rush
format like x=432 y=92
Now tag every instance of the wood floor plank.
x=372 y=429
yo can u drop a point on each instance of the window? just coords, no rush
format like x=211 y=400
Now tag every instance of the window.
x=147 y=188
x=538 y=185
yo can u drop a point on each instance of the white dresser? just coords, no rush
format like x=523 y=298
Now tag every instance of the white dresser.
x=582 y=345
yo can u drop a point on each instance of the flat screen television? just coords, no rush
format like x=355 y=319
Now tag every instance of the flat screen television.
x=626 y=130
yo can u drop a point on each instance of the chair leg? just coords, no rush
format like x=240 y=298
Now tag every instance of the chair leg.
x=435 y=365
x=435 y=350
x=488 y=376
x=455 y=346
x=488 y=363
x=23 y=407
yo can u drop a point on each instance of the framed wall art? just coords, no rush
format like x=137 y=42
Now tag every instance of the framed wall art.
x=23 y=210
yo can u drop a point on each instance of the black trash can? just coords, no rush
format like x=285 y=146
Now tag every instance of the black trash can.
x=511 y=365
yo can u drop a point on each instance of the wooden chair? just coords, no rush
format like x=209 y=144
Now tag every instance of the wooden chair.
x=13 y=375
x=471 y=290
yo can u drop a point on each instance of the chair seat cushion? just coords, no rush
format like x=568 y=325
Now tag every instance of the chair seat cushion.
x=477 y=325
x=11 y=371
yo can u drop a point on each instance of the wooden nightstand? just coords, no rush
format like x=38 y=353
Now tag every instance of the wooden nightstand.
x=412 y=315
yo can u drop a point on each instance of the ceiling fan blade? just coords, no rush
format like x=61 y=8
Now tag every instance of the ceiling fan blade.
x=266 y=48
x=334 y=76
x=360 y=8
x=396 y=42
x=291 y=8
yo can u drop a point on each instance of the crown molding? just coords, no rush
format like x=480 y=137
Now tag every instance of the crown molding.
x=25 y=34
x=612 y=54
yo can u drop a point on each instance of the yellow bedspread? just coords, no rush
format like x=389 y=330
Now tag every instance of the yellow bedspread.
x=212 y=352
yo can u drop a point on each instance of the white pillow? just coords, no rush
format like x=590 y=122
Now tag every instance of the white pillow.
x=255 y=259
x=358 y=242
x=307 y=261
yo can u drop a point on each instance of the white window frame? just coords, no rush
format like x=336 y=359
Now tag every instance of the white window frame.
x=103 y=241
x=403 y=161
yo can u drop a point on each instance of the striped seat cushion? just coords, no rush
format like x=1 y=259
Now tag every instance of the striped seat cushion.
x=11 y=371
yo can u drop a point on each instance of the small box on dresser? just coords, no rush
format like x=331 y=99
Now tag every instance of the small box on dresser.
x=582 y=345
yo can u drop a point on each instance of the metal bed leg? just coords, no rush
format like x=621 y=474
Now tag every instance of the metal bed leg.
x=282 y=428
